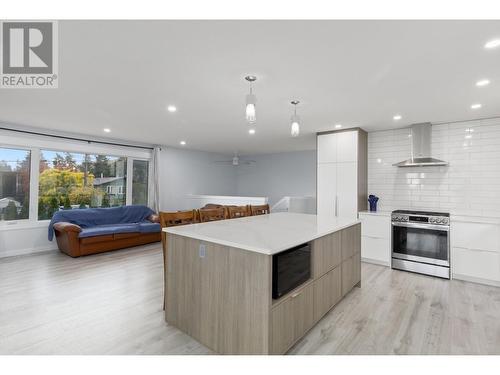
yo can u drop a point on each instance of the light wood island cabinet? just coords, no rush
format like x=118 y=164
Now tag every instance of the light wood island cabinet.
x=222 y=295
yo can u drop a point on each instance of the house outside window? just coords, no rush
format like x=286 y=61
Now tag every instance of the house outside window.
x=15 y=167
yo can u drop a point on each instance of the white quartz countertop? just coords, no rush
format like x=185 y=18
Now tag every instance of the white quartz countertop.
x=265 y=234
x=376 y=213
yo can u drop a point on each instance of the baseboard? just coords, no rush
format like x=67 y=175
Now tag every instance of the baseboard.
x=28 y=251
x=375 y=261
x=476 y=280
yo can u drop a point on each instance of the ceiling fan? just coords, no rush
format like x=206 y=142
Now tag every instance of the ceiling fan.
x=235 y=161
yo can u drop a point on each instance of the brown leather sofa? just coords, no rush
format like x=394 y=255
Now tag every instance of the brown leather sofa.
x=68 y=241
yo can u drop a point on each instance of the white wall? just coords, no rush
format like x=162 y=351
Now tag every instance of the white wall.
x=470 y=185
x=278 y=175
x=185 y=172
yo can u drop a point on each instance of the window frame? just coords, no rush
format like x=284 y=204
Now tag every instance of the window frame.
x=130 y=161
x=39 y=143
x=20 y=148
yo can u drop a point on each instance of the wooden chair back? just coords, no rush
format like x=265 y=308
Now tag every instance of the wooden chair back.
x=212 y=205
x=234 y=212
x=262 y=209
x=211 y=214
x=173 y=219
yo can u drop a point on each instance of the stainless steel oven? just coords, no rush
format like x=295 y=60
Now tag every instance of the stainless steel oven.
x=421 y=242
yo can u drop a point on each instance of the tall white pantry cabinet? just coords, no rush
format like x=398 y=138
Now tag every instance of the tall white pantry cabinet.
x=342 y=173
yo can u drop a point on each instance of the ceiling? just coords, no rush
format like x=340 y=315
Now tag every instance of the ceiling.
x=122 y=74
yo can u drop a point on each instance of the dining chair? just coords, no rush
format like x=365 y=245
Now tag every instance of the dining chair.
x=262 y=209
x=234 y=212
x=211 y=214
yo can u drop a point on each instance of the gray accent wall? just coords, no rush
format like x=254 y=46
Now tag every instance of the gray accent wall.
x=185 y=172
x=278 y=175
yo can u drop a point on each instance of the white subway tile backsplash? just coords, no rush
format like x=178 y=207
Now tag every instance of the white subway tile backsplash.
x=468 y=186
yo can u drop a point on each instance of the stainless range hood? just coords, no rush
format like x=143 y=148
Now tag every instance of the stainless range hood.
x=421 y=148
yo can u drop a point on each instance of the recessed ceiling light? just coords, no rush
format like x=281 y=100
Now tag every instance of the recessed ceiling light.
x=107 y=130
x=172 y=108
x=338 y=126
x=476 y=106
x=182 y=143
x=492 y=44
x=483 y=82
x=397 y=117
x=251 y=131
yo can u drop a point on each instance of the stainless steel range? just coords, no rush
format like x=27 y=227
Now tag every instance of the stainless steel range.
x=421 y=242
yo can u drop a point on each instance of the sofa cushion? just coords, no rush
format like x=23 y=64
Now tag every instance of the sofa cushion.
x=148 y=227
x=108 y=229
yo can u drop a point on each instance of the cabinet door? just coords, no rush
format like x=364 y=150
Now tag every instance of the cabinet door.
x=478 y=264
x=327 y=189
x=347 y=189
x=351 y=273
x=351 y=241
x=291 y=319
x=376 y=226
x=327 y=292
x=477 y=236
x=327 y=148
x=326 y=254
x=347 y=146
x=376 y=249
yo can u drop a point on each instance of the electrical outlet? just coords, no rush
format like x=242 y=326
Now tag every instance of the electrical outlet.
x=202 y=251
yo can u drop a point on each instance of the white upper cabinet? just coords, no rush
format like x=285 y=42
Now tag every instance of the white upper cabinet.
x=327 y=148
x=347 y=146
x=338 y=147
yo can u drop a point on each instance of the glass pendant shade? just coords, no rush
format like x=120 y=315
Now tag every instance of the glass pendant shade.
x=250 y=108
x=295 y=128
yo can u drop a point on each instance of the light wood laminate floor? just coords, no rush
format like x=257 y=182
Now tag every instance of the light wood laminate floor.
x=112 y=304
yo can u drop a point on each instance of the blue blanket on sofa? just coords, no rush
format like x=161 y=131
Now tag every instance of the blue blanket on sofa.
x=100 y=221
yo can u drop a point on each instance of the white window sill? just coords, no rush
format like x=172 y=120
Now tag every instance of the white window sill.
x=23 y=224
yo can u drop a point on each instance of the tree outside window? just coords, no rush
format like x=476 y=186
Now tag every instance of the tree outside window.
x=72 y=180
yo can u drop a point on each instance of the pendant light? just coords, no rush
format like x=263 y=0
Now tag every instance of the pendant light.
x=251 y=100
x=295 y=126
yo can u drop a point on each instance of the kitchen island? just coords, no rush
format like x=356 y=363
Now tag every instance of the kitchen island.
x=219 y=279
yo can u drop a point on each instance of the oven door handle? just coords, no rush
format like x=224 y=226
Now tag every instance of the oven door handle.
x=422 y=226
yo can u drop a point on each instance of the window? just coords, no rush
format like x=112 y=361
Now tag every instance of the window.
x=72 y=180
x=14 y=184
x=140 y=182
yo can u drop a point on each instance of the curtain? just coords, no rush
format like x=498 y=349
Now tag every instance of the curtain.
x=155 y=187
